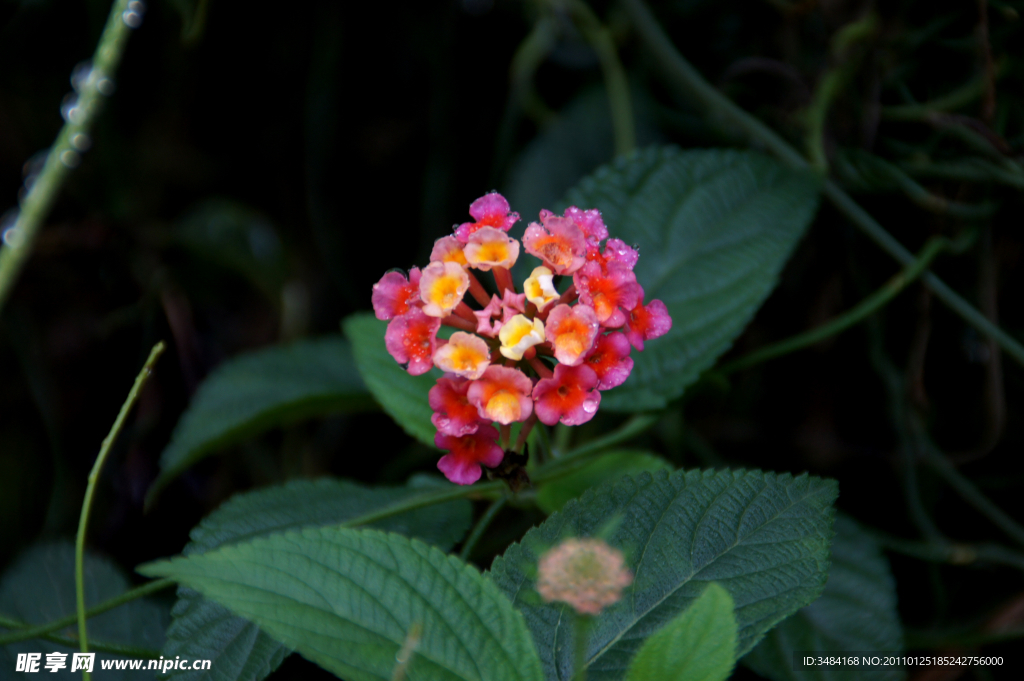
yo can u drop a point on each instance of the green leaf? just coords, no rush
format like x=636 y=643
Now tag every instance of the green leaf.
x=552 y=496
x=239 y=650
x=763 y=536
x=258 y=391
x=39 y=587
x=714 y=229
x=856 y=612
x=235 y=236
x=349 y=600
x=401 y=396
x=699 y=645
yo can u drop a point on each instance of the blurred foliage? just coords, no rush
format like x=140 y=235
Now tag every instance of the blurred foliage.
x=257 y=171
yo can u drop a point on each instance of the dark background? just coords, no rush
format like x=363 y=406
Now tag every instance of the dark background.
x=329 y=142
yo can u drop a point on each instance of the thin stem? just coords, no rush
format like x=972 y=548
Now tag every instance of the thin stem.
x=476 y=289
x=855 y=315
x=524 y=433
x=481 y=526
x=540 y=367
x=719 y=108
x=43 y=629
x=950 y=553
x=937 y=640
x=100 y=647
x=90 y=491
x=972 y=495
x=64 y=154
x=960 y=97
x=503 y=280
x=600 y=39
x=581 y=637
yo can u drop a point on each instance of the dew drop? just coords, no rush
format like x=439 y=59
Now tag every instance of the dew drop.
x=105 y=86
x=70 y=158
x=35 y=164
x=81 y=75
x=131 y=19
x=81 y=141
x=12 y=237
x=589 y=406
x=69 y=108
x=137 y=6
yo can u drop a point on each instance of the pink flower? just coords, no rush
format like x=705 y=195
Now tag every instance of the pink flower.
x=646 y=322
x=393 y=295
x=484 y=325
x=512 y=304
x=570 y=396
x=490 y=247
x=466 y=453
x=571 y=331
x=448 y=249
x=464 y=355
x=490 y=210
x=589 y=222
x=442 y=286
x=616 y=250
x=587 y=574
x=559 y=242
x=412 y=338
x=608 y=290
x=453 y=414
x=610 y=360
x=502 y=394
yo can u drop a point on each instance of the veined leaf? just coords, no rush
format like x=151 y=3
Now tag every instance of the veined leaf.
x=39 y=587
x=714 y=229
x=402 y=396
x=763 y=536
x=699 y=645
x=350 y=600
x=553 y=495
x=258 y=391
x=205 y=630
x=856 y=612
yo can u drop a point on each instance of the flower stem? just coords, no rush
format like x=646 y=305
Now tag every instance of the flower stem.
x=580 y=640
x=719 y=108
x=476 y=289
x=90 y=491
x=503 y=278
x=64 y=154
x=27 y=632
x=481 y=526
x=540 y=367
x=858 y=313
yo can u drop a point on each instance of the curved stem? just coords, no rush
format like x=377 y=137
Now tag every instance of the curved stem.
x=64 y=154
x=600 y=39
x=718 y=107
x=855 y=315
x=30 y=632
x=481 y=526
x=90 y=491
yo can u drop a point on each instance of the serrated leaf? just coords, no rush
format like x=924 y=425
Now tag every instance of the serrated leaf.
x=763 y=536
x=401 y=396
x=39 y=587
x=553 y=495
x=714 y=229
x=856 y=613
x=257 y=391
x=349 y=600
x=698 y=645
x=240 y=651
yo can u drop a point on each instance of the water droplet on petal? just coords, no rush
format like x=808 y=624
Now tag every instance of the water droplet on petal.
x=589 y=406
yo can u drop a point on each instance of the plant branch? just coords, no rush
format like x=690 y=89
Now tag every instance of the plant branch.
x=116 y=648
x=90 y=491
x=30 y=632
x=481 y=526
x=972 y=495
x=855 y=315
x=63 y=156
x=600 y=39
x=948 y=552
x=721 y=109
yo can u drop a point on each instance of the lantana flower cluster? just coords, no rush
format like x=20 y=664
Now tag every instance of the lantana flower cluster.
x=518 y=355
